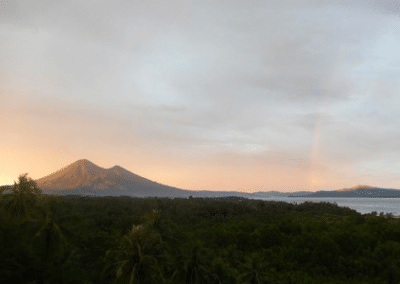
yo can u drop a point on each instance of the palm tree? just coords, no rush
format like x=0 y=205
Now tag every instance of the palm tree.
x=135 y=256
x=59 y=210
x=222 y=271
x=255 y=269
x=21 y=201
x=189 y=265
x=49 y=241
x=152 y=220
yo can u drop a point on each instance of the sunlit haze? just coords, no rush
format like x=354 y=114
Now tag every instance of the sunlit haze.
x=231 y=95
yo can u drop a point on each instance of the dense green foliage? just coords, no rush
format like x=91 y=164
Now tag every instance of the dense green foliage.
x=72 y=239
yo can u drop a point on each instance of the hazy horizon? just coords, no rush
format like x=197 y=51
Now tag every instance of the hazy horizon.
x=65 y=169
x=222 y=95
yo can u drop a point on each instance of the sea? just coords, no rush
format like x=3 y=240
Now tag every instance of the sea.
x=362 y=205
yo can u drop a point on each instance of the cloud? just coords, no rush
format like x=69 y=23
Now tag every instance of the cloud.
x=226 y=82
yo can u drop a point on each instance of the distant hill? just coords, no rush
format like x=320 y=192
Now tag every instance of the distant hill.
x=269 y=194
x=357 y=191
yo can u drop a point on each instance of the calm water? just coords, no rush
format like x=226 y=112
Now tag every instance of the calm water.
x=362 y=205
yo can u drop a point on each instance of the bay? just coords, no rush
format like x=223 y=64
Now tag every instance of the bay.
x=361 y=205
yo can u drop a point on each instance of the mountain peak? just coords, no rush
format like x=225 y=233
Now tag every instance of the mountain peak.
x=116 y=167
x=83 y=162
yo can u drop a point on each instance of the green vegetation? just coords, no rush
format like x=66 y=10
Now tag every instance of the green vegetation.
x=73 y=239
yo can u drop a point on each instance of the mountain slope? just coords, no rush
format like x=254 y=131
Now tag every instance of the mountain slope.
x=84 y=173
x=84 y=176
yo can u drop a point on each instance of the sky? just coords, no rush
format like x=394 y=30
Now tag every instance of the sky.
x=224 y=95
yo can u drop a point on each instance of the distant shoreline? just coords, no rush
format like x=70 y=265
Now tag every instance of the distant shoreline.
x=302 y=196
x=394 y=216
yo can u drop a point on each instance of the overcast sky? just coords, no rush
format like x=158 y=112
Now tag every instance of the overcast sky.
x=204 y=95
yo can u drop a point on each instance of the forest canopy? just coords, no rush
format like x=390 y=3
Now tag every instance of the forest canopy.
x=75 y=239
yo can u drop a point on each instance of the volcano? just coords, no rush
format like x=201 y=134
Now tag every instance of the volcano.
x=84 y=177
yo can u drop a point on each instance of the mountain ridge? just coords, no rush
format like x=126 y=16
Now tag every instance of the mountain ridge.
x=84 y=173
